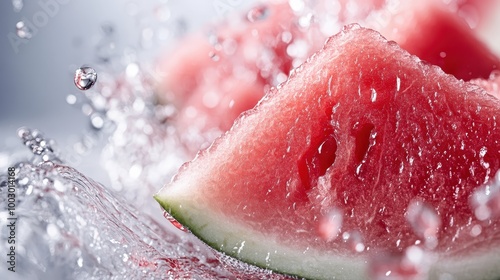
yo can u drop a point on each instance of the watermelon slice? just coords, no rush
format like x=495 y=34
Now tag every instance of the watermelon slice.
x=362 y=130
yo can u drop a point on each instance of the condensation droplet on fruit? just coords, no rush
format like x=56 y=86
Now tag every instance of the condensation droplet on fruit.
x=442 y=54
x=373 y=96
x=23 y=31
x=424 y=221
x=485 y=200
x=85 y=77
x=476 y=230
x=258 y=13
x=398 y=83
x=330 y=224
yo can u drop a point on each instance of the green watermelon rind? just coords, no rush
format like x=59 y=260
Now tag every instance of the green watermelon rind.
x=354 y=267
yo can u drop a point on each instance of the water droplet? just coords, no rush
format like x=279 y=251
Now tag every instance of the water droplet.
x=442 y=54
x=23 y=31
x=258 y=13
x=96 y=120
x=79 y=262
x=424 y=221
x=330 y=224
x=173 y=221
x=398 y=83
x=71 y=99
x=17 y=5
x=85 y=78
x=297 y=5
x=213 y=56
x=373 y=96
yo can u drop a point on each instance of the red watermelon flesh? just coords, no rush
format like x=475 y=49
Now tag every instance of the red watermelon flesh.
x=363 y=129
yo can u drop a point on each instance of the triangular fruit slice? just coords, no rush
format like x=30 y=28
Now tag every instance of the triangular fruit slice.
x=363 y=140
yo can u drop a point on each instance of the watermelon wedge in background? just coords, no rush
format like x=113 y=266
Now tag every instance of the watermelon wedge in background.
x=212 y=79
x=364 y=152
x=435 y=33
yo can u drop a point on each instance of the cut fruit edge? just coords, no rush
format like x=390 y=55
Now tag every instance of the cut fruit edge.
x=252 y=247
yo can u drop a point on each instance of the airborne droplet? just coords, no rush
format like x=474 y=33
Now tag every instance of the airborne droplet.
x=258 y=13
x=23 y=31
x=17 y=5
x=85 y=78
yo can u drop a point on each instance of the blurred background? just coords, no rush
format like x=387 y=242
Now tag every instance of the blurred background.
x=37 y=67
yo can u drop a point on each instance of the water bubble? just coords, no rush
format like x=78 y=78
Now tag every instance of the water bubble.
x=424 y=221
x=85 y=77
x=258 y=13
x=330 y=224
x=23 y=31
x=17 y=5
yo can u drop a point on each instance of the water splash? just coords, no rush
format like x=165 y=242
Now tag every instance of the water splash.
x=73 y=228
x=85 y=78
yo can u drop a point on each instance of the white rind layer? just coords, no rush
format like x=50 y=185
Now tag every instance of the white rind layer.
x=266 y=251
